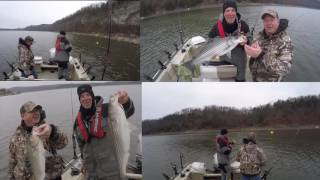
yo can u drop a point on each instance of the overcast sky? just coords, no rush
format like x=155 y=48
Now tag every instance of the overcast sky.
x=19 y=14
x=160 y=99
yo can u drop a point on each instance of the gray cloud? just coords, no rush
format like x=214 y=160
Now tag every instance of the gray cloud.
x=19 y=14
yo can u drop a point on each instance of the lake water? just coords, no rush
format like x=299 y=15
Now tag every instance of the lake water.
x=292 y=154
x=160 y=33
x=61 y=107
x=123 y=66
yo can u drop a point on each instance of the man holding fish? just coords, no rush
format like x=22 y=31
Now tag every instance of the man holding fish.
x=272 y=51
x=33 y=135
x=95 y=134
x=230 y=24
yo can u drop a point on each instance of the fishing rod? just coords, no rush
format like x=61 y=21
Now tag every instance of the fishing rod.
x=163 y=65
x=73 y=135
x=180 y=28
x=109 y=10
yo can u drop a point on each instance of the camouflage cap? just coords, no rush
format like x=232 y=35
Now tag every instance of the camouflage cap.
x=251 y=137
x=29 y=107
x=29 y=38
x=269 y=12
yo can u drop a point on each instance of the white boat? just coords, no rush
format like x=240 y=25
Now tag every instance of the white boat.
x=212 y=70
x=72 y=171
x=48 y=70
x=199 y=171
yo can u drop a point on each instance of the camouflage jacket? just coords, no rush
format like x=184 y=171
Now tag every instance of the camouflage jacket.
x=251 y=158
x=19 y=164
x=25 y=57
x=275 y=61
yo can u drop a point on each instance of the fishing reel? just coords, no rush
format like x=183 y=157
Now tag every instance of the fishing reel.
x=43 y=115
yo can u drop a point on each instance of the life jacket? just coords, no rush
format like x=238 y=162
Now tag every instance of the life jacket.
x=224 y=139
x=58 y=44
x=221 y=31
x=95 y=121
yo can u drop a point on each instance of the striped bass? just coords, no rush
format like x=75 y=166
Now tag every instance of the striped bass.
x=217 y=47
x=36 y=155
x=120 y=132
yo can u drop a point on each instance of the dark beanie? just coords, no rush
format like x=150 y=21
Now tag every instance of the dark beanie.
x=85 y=88
x=223 y=131
x=62 y=32
x=228 y=4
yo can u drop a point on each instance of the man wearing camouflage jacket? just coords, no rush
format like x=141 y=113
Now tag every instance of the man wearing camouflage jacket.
x=19 y=164
x=251 y=158
x=271 y=54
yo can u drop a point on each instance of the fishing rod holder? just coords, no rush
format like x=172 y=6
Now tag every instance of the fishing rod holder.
x=163 y=66
x=176 y=46
x=181 y=160
x=166 y=176
x=175 y=169
x=181 y=37
x=168 y=54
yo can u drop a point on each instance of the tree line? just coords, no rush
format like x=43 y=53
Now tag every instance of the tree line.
x=291 y=112
x=94 y=19
x=153 y=7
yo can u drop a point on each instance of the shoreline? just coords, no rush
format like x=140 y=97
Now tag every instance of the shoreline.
x=129 y=38
x=134 y=39
x=267 y=128
x=218 y=5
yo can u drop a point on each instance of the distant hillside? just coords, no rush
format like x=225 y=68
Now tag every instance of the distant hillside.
x=94 y=19
x=6 y=92
x=154 y=7
x=292 y=112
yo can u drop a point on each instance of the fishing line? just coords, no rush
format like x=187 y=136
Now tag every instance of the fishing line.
x=109 y=10
x=180 y=25
x=71 y=94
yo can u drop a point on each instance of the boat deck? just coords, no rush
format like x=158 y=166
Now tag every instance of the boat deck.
x=49 y=72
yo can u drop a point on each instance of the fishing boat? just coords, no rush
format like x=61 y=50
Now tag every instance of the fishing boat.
x=200 y=171
x=48 y=70
x=73 y=169
x=213 y=69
